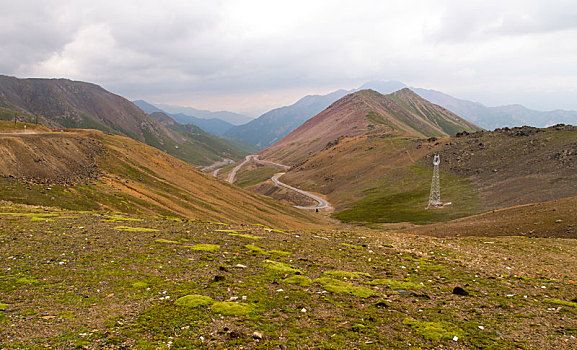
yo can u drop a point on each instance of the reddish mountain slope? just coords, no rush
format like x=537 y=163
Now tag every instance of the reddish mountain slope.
x=367 y=112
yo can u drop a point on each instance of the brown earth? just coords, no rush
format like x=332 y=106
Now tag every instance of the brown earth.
x=88 y=168
x=556 y=218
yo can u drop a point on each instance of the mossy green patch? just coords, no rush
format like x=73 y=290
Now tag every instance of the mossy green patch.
x=281 y=267
x=395 y=284
x=3 y=307
x=245 y=235
x=194 y=300
x=342 y=287
x=39 y=218
x=166 y=241
x=227 y=231
x=119 y=218
x=255 y=249
x=231 y=309
x=140 y=284
x=435 y=331
x=204 y=247
x=27 y=280
x=299 y=280
x=344 y=274
x=358 y=247
x=278 y=253
x=135 y=229
x=560 y=302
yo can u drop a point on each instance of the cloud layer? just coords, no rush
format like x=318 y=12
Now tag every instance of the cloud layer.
x=251 y=55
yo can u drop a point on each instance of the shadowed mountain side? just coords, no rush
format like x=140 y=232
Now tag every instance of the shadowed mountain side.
x=200 y=145
x=62 y=103
x=87 y=170
x=364 y=112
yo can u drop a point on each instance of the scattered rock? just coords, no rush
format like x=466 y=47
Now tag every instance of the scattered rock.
x=257 y=335
x=460 y=291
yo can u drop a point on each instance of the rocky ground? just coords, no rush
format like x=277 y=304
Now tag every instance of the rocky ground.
x=92 y=280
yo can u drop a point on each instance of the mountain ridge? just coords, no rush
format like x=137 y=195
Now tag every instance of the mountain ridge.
x=64 y=103
x=367 y=112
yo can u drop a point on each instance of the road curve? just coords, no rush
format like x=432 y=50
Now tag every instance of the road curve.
x=323 y=204
x=232 y=175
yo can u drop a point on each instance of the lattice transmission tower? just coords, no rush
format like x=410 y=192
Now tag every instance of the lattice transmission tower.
x=435 y=196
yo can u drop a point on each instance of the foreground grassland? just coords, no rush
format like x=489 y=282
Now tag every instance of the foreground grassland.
x=88 y=280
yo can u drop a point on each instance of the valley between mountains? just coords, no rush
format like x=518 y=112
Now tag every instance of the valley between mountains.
x=112 y=237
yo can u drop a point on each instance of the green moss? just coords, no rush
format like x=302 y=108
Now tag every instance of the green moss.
x=223 y=230
x=231 y=309
x=194 y=300
x=140 y=284
x=3 y=307
x=135 y=229
x=205 y=247
x=299 y=280
x=36 y=218
x=352 y=246
x=244 y=235
x=162 y=240
x=344 y=274
x=341 y=287
x=118 y=218
x=435 y=331
x=255 y=249
x=281 y=267
x=560 y=302
x=27 y=280
x=278 y=253
x=395 y=284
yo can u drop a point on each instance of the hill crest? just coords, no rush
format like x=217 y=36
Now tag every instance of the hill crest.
x=367 y=112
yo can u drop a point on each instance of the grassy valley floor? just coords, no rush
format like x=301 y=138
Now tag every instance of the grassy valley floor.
x=73 y=279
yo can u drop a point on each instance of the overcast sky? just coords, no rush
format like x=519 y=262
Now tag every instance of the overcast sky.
x=250 y=56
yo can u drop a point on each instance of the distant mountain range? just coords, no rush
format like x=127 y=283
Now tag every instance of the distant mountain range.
x=213 y=125
x=277 y=123
x=230 y=117
x=365 y=112
x=62 y=103
x=497 y=117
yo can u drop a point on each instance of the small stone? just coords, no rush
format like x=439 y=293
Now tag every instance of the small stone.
x=455 y=338
x=481 y=327
x=257 y=335
x=240 y=266
x=460 y=291
x=303 y=310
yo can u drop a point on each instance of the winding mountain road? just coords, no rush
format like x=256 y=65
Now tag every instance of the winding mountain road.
x=322 y=203
x=232 y=175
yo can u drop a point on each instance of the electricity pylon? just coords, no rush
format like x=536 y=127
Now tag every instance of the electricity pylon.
x=435 y=196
